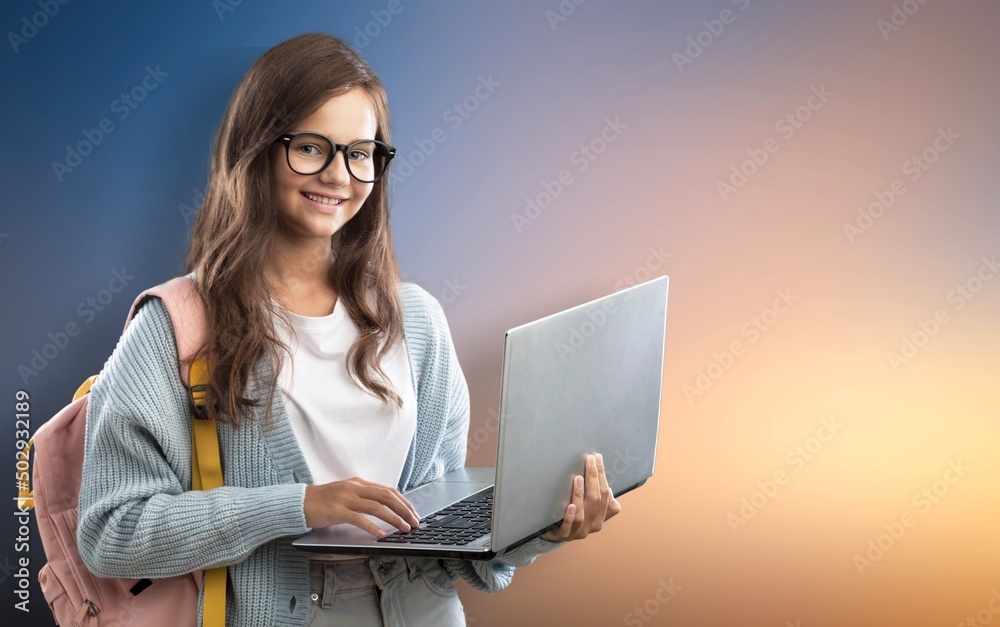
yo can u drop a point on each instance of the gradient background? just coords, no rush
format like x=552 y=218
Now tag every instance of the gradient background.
x=655 y=185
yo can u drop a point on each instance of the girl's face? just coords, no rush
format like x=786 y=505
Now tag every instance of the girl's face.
x=304 y=201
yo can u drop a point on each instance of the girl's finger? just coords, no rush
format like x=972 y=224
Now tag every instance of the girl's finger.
x=562 y=532
x=580 y=513
x=601 y=514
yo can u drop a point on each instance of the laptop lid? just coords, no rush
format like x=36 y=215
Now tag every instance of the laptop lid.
x=586 y=379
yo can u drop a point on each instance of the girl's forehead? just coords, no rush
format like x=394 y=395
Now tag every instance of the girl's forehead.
x=350 y=115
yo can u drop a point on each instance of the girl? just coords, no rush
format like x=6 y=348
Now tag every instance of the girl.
x=335 y=385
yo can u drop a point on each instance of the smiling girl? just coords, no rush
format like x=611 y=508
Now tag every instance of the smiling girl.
x=335 y=384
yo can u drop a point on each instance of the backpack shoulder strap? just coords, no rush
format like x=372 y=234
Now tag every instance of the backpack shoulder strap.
x=187 y=314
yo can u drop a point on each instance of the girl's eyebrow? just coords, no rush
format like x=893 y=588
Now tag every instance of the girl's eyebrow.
x=303 y=130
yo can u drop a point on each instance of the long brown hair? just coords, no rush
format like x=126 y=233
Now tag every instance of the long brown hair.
x=233 y=229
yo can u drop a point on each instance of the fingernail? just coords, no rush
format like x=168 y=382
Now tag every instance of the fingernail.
x=579 y=481
x=600 y=459
x=406 y=526
x=381 y=533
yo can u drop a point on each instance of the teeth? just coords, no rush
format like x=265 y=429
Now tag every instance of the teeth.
x=324 y=200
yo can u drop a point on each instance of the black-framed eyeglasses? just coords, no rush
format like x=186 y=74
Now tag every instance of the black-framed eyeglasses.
x=311 y=153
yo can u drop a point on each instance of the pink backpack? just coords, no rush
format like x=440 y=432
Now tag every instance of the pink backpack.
x=77 y=597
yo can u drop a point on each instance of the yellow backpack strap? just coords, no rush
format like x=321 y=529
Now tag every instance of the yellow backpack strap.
x=206 y=473
x=84 y=387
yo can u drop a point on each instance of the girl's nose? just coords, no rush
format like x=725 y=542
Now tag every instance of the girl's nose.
x=336 y=173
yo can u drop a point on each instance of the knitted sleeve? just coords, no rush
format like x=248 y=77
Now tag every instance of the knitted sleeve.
x=493 y=575
x=137 y=515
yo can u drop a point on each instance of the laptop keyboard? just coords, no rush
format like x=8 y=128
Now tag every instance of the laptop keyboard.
x=457 y=524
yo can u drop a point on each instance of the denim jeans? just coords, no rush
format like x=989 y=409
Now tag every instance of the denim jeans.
x=383 y=591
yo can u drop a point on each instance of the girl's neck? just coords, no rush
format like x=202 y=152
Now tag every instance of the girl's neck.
x=294 y=267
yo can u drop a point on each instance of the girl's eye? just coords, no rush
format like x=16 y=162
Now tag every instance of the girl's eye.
x=359 y=155
x=309 y=150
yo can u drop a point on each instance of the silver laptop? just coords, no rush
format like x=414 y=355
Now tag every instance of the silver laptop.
x=586 y=379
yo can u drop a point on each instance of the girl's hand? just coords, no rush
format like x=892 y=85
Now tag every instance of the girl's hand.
x=589 y=507
x=346 y=502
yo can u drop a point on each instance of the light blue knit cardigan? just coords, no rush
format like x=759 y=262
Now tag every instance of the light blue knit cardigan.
x=138 y=517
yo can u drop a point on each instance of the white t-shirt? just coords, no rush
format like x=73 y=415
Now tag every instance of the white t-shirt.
x=344 y=431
